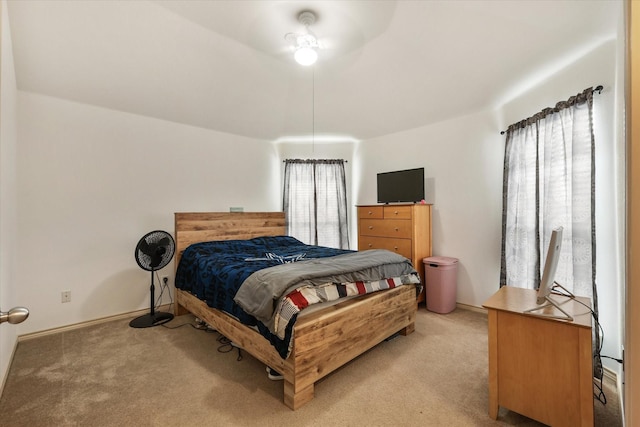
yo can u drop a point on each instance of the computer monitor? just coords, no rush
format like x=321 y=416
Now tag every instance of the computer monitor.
x=550 y=266
x=547 y=282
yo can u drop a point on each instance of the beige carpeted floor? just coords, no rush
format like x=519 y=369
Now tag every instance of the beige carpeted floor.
x=114 y=375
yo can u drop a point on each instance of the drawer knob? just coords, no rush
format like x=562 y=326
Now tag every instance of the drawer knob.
x=370 y=213
x=397 y=229
x=395 y=247
x=370 y=245
x=395 y=213
x=371 y=227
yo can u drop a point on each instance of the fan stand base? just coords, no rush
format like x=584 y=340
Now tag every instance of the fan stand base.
x=148 y=320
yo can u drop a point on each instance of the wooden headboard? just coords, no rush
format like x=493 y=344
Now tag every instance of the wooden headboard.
x=195 y=227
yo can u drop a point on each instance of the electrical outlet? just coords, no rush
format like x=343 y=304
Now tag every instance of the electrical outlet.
x=66 y=296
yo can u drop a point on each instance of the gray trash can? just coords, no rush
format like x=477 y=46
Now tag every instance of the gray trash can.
x=440 y=278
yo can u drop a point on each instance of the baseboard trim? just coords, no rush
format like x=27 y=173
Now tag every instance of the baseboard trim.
x=610 y=374
x=620 y=385
x=6 y=373
x=471 y=307
x=131 y=314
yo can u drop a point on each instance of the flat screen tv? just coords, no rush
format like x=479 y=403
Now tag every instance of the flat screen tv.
x=401 y=186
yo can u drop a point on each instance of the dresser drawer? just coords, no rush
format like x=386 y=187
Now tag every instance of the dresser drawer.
x=399 y=246
x=386 y=228
x=398 y=212
x=370 y=212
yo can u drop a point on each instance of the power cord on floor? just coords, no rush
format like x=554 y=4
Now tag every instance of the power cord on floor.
x=226 y=345
x=179 y=326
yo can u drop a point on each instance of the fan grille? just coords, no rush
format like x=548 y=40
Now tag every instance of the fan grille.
x=155 y=250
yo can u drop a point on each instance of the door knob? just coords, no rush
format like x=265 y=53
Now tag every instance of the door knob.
x=15 y=315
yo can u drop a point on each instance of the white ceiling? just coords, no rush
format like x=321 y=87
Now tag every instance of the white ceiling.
x=385 y=66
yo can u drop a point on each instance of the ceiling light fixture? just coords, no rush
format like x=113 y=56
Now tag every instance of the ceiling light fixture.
x=305 y=44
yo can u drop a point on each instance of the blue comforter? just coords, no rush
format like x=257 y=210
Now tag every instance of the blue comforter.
x=214 y=271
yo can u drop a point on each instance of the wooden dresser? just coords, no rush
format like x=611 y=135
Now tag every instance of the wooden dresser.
x=402 y=228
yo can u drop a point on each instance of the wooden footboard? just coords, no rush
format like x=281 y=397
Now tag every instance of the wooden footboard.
x=324 y=340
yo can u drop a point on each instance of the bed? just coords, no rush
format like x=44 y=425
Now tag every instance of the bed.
x=322 y=341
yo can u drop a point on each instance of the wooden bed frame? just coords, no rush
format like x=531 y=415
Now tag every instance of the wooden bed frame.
x=324 y=340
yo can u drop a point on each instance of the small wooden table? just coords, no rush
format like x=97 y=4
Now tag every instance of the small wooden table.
x=540 y=367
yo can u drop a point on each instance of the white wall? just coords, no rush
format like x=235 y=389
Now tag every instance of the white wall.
x=600 y=66
x=92 y=182
x=463 y=172
x=8 y=142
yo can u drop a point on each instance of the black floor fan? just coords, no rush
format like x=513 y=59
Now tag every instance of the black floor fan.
x=153 y=252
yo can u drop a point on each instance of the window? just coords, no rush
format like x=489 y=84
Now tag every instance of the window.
x=315 y=202
x=549 y=181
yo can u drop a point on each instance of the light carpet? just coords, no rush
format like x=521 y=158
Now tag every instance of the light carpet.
x=113 y=375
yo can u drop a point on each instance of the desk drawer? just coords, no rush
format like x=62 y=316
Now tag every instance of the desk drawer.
x=399 y=246
x=386 y=228
x=397 y=212
x=370 y=212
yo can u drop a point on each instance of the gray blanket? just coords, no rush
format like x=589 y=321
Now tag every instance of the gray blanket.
x=260 y=292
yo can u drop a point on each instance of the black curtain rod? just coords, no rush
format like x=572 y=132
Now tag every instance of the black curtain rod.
x=346 y=161
x=596 y=89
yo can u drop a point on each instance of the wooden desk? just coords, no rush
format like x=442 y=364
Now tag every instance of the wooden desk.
x=540 y=367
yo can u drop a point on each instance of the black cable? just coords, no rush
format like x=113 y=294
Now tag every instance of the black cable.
x=159 y=298
x=228 y=346
x=602 y=398
x=199 y=325
x=225 y=344
x=180 y=326
x=163 y=286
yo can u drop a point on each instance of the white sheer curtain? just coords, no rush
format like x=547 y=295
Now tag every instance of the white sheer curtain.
x=315 y=202
x=549 y=181
x=520 y=240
